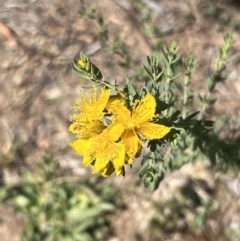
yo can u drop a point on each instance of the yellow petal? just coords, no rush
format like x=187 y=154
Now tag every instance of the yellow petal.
x=119 y=172
x=128 y=160
x=75 y=128
x=140 y=146
x=115 y=101
x=87 y=160
x=107 y=170
x=99 y=164
x=91 y=129
x=131 y=142
x=120 y=112
x=90 y=107
x=145 y=110
x=103 y=99
x=113 y=132
x=152 y=131
x=80 y=146
x=118 y=161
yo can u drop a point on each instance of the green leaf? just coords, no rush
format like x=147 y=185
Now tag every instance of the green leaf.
x=80 y=215
x=3 y=193
x=143 y=171
x=191 y=116
x=148 y=72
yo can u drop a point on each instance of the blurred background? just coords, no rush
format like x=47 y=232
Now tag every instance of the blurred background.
x=45 y=192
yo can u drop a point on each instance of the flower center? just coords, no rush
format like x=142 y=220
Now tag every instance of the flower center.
x=130 y=125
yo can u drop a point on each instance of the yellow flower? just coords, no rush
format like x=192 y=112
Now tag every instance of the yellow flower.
x=102 y=151
x=82 y=64
x=115 y=101
x=91 y=108
x=86 y=131
x=137 y=124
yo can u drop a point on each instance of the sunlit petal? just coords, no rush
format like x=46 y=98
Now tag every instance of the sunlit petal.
x=103 y=99
x=115 y=101
x=88 y=130
x=114 y=131
x=99 y=164
x=80 y=146
x=131 y=142
x=91 y=108
x=118 y=161
x=87 y=160
x=107 y=170
x=121 y=113
x=152 y=131
x=145 y=110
